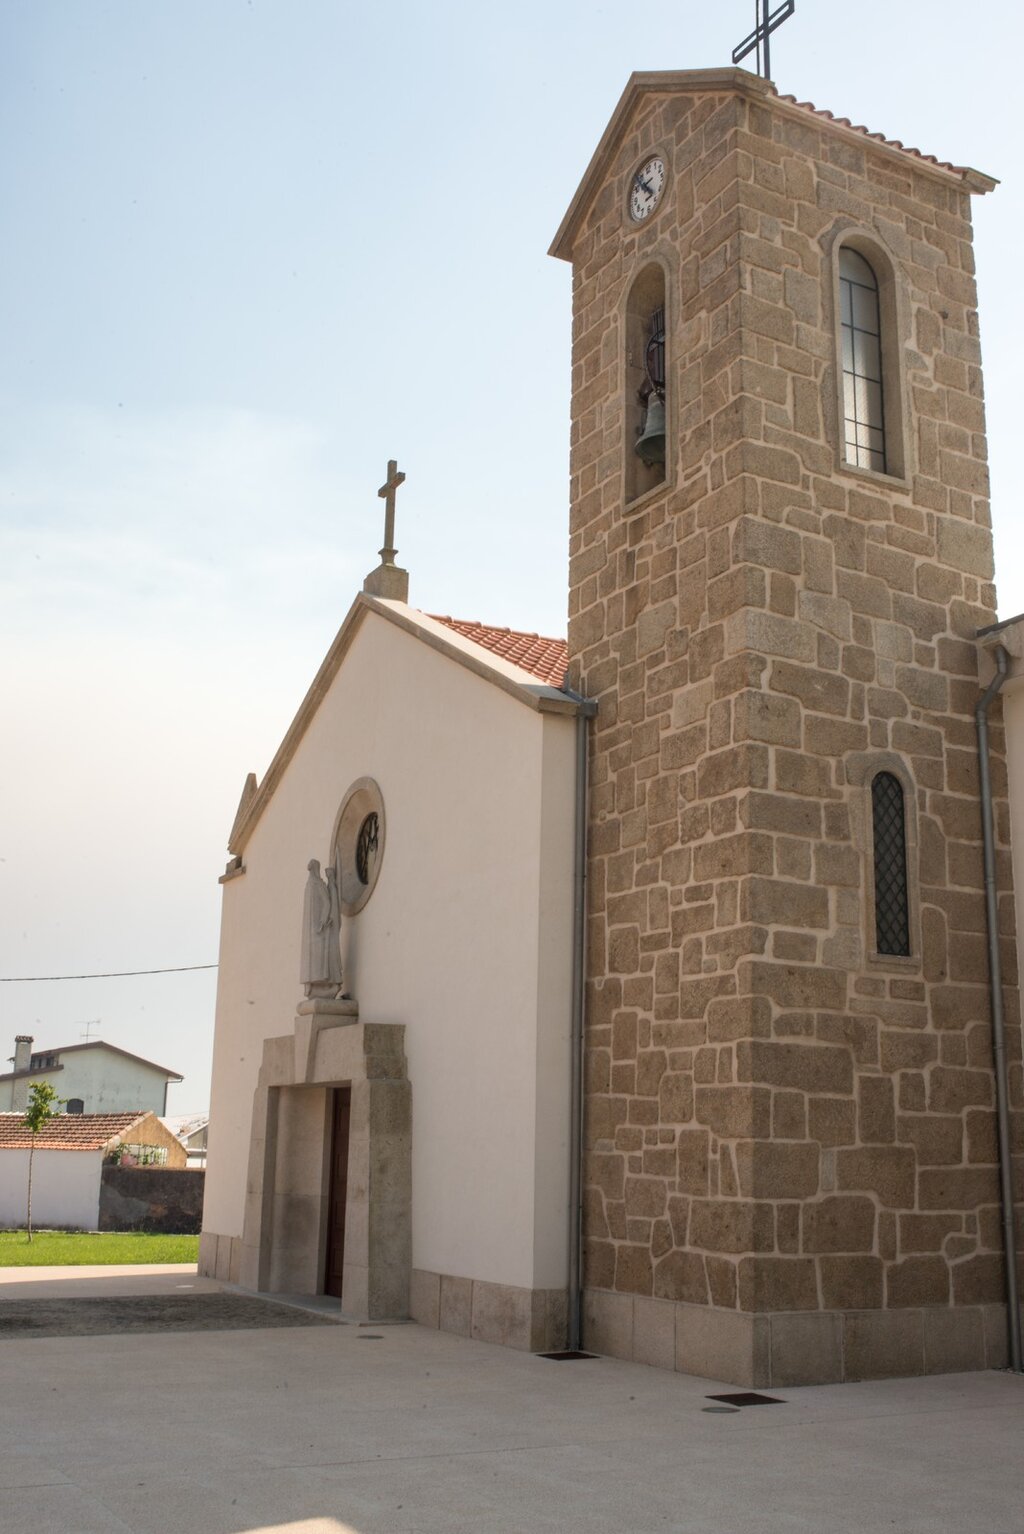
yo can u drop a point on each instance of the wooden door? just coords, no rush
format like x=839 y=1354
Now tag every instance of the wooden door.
x=341 y=1114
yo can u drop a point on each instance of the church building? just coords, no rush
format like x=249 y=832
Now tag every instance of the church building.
x=677 y=1016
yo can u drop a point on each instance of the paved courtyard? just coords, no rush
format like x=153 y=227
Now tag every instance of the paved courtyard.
x=334 y=1429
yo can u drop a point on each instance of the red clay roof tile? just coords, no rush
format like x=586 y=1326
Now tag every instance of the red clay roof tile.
x=67 y=1131
x=546 y=659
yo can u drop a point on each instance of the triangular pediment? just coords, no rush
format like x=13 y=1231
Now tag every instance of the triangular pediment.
x=490 y=665
x=739 y=82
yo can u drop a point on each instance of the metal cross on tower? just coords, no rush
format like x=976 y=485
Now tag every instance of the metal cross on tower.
x=767 y=21
x=387 y=494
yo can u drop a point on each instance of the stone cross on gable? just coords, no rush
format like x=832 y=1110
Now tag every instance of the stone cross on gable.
x=767 y=21
x=388 y=580
x=387 y=494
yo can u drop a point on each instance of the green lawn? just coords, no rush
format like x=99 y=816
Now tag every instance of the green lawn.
x=55 y=1248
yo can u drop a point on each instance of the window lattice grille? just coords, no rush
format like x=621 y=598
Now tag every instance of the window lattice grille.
x=862 y=362
x=892 y=904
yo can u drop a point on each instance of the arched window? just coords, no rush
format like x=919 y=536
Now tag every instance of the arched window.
x=889 y=836
x=862 y=358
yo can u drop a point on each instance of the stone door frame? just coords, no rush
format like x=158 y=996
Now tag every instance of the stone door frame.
x=328 y=1047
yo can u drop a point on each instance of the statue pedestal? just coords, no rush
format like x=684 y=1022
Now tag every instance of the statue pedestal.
x=313 y=1015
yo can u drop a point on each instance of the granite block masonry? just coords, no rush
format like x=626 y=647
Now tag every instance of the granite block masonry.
x=791 y=1163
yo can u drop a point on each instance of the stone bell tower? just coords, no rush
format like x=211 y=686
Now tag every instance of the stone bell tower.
x=791 y=1171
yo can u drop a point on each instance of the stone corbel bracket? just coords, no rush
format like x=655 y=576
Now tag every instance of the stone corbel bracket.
x=312 y=1017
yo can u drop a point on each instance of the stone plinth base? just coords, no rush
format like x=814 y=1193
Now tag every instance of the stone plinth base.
x=388 y=581
x=534 y=1320
x=794 y=1348
x=220 y=1257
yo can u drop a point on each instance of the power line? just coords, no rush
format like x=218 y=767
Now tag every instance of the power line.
x=110 y=974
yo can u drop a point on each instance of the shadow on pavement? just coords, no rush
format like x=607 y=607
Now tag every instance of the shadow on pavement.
x=150 y=1313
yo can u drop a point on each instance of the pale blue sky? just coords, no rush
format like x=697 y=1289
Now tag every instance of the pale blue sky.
x=252 y=249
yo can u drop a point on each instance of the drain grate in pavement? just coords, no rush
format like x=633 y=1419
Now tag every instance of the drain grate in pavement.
x=149 y=1313
x=566 y=1355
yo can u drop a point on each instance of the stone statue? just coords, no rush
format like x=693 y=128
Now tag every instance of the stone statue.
x=321 y=925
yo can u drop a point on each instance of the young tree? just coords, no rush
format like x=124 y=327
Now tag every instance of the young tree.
x=43 y=1105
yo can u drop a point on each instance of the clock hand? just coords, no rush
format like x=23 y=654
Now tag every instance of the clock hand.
x=646 y=185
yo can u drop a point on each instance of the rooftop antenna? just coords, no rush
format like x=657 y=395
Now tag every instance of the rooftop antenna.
x=93 y=1023
x=767 y=21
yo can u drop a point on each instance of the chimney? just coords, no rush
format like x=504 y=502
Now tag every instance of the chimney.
x=22 y=1051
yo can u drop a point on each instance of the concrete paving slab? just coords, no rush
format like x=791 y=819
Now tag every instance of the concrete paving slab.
x=321 y=1430
x=57 y=1510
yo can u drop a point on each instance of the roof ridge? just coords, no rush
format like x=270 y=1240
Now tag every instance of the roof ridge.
x=497 y=628
x=541 y=655
x=66 y=1049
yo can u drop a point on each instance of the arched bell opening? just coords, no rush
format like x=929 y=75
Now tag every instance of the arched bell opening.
x=646 y=383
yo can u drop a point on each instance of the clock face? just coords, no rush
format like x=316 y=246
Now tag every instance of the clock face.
x=646 y=189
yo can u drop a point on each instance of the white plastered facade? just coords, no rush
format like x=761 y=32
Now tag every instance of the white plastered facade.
x=65 y=1188
x=105 y=1080
x=465 y=940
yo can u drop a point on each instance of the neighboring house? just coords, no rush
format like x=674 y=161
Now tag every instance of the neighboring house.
x=192 y=1131
x=66 y=1169
x=91 y=1078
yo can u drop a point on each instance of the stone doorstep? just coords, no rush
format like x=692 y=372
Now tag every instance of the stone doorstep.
x=322 y=1305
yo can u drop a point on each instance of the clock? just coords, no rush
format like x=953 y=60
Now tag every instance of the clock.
x=646 y=188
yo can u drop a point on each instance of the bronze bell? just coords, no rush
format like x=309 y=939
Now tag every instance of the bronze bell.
x=650 y=444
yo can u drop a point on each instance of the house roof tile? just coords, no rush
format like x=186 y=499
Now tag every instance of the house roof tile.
x=67 y=1131
x=546 y=659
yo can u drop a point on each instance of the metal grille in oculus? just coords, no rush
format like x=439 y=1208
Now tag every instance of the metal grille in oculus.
x=366 y=847
x=892 y=908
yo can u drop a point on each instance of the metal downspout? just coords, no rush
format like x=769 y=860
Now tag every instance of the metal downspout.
x=579 y=952
x=998 y=1019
